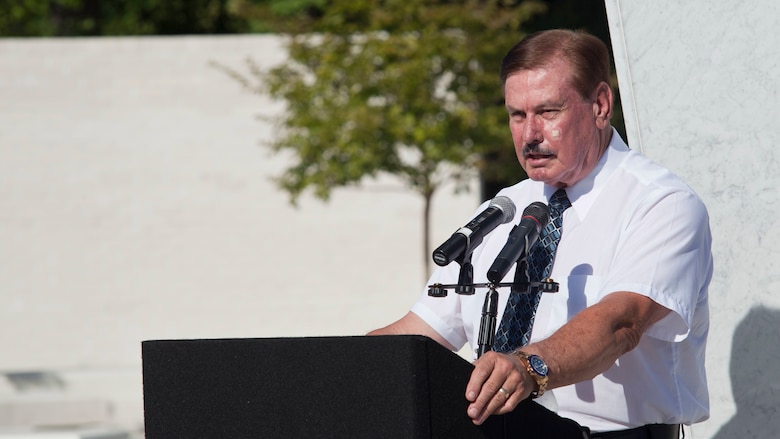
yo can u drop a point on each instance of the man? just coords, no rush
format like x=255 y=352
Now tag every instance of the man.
x=623 y=341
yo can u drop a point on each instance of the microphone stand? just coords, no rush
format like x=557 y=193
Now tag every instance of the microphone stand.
x=487 y=325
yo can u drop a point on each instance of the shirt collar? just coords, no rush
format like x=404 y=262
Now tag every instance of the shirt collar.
x=583 y=194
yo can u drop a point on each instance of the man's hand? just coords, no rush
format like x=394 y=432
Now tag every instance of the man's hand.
x=498 y=383
x=584 y=347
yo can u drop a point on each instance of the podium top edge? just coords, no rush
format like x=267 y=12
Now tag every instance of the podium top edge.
x=324 y=338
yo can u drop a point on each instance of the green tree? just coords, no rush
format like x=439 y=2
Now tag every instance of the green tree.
x=404 y=87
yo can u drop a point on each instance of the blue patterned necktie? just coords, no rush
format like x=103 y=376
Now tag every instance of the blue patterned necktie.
x=518 y=319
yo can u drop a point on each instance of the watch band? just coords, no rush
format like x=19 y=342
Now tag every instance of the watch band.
x=537 y=370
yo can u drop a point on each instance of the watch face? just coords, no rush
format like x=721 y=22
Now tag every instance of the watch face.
x=538 y=365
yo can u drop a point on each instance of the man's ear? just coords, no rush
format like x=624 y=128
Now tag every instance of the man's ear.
x=602 y=104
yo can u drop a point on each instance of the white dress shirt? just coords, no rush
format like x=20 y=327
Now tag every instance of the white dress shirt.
x=633 y=226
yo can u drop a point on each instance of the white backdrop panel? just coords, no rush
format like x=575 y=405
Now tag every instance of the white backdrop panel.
x=699 y=84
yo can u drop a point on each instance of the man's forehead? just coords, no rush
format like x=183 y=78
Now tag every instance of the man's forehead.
x=547 y=89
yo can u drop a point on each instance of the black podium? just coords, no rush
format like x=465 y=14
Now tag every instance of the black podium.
x=321 y=387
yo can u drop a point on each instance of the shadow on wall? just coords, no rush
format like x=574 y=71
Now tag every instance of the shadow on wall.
x=755 y=376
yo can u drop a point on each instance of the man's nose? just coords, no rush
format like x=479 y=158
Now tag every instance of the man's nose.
x=532 y=131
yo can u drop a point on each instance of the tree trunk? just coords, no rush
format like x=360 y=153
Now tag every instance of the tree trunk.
x=427 y=197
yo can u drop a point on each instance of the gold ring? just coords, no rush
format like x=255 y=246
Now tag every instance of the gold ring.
x=504 y=392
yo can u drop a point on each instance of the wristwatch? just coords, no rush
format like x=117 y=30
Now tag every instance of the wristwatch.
x=538 y=370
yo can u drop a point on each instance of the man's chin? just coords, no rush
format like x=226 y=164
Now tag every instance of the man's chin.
x=546 y=179
x=538 y=174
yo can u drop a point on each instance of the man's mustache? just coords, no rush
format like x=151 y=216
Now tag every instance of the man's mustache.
x=535 y=149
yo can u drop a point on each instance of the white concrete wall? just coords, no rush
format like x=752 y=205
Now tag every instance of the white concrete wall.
x=135 y=204
x=700 y=83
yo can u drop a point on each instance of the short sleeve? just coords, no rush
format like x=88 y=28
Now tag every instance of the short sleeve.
x=664 y=253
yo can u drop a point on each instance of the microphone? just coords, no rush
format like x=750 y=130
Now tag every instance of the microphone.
x=521 y=238
x=501 y=210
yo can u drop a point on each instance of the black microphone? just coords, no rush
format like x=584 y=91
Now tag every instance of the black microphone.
x=521 y=238
x=500 y=211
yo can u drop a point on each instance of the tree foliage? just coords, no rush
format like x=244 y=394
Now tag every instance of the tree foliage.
x=403 y=87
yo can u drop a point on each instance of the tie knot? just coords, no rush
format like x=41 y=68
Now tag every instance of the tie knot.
x=559 y=202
